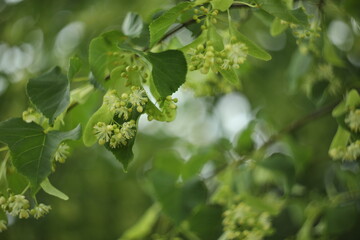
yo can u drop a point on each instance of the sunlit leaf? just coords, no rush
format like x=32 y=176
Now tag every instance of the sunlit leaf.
x=144 y=226
x=101 y=115
x=104 y=55
x=280 y=10
x=253 y=49
x=159 y=26
x=50 y=189
x=277 y=27
x=222 y=5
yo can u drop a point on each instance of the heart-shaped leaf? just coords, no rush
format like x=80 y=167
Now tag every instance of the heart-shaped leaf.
x=32 y=149
x=168 y=71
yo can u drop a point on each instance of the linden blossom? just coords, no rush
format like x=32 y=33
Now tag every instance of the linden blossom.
x=18 y=205
x=255 y=224
x=206 y=58
x=353 y=120
x=62 y=153
x=124 y=105
x=115 y=134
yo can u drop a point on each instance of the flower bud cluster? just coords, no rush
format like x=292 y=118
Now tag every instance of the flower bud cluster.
x=31 y=115
x=124 y=105
x=206 y=57
x=211 y=85
x=199 y=13
x=18 y=205
x=353 y=120
x=234 y=55
x=243 y=222
x=62 y=153
x=351 y=152
x=115 y=134
x=306 y=36
x=348 y=153
x=322 y=73
x=138 y=67
x=168 y=106
x=40 y=210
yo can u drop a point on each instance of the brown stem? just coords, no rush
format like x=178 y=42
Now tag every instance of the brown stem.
x=189 y=22
x=292 y=127
x=181 y=26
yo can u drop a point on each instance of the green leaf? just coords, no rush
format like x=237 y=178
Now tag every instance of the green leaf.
x=280 y=164
x=340 y=139
x=16 y=182
x=193 y=166
x=75 y=65
x=31 y=149
x=159 y=26
x=199 y=40
x=299 y=65
x=352 y=99
x=124 y=153
x=168 y=71
x=253 y=49
x=331 y=55
x=104 y=54
x=222 y=5
x=207 y=216
x=132 y=25
x=300 y=15
x=318 y=90
x=262 y=204
x=230 y=75
x=169 y=162
x=341 y=219
x=126 y=47
x=280 y=10
x=3 y=216
x=144 y=39
x=177 y=200
x=160 y=115
x=50 y=189
x=277 y=27
x=50 y=93
x=215 y=38
x=144 y=226
x=339 y=110
x=101 y=115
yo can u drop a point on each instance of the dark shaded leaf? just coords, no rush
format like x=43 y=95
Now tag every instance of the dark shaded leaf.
x=31 y=149
x=207 y=216
x=50 y=93
x=168 y=72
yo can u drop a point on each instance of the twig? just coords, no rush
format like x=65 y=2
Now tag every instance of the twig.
x=292 y=127
x=299 y=123
x=192 y=21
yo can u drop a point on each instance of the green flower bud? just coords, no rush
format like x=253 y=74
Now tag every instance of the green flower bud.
x=140 y=109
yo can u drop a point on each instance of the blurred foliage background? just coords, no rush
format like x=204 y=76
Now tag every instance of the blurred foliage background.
x=104 y=201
